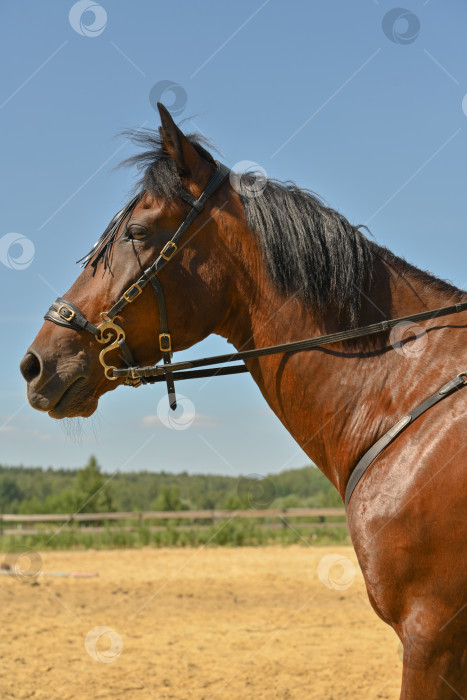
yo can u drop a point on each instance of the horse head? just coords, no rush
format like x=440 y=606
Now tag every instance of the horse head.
x=66 y=369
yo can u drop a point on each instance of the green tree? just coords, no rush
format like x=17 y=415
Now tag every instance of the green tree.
x=91 y=492
x=169 y=499
x=9 y=491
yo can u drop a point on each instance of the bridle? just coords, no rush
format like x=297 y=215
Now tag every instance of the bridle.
x=65 y=313
x=109 y=333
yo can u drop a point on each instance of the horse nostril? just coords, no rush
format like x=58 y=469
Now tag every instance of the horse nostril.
x=30 y=366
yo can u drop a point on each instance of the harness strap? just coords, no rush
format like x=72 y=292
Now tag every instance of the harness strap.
x=165 y=341
x=150 y=275
x=125 y=350
x=129 y=360
x=397 y=429
x=171 y=247
x=64 y=313
x=155 y=370
x=189 y=199
x=200 y=374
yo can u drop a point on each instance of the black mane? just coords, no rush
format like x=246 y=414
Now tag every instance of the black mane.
x=158 y=172
x=312 y=251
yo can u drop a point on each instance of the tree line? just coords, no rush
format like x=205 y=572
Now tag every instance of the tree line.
x=29 y=490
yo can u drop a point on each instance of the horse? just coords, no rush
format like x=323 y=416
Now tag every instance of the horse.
x=268 y=263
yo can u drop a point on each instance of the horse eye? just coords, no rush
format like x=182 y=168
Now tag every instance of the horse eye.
x=136 y=233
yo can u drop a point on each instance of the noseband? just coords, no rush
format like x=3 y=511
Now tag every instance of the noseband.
x=109 y=333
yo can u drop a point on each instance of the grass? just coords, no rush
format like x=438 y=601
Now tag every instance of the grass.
x=228 y=533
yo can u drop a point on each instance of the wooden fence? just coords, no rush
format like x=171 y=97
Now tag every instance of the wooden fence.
x=13 y=524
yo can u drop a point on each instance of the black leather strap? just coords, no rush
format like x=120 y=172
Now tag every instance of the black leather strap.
x=200 y=374
x=129 y=360
x=197 y=205
x=126 y=352
x=189 y=199
x=298 y=346
x=64 y=313
x=150 y=275
x=398 y=428
x=164 y=329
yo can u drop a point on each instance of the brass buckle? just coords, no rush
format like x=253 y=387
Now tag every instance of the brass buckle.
x=66 y=318
x=165 y=342
x=170 y=246
x=126 y=295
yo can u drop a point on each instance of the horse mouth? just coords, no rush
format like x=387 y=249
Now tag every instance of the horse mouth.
x=74 y=402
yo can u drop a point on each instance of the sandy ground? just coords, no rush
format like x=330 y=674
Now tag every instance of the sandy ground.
x=196 y=624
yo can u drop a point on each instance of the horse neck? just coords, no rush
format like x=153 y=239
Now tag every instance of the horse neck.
x=337 y=400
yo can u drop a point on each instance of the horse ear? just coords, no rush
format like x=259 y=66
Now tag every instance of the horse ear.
x=187 y=159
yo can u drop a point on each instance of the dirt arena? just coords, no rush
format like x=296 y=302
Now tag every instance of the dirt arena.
x=196 y=624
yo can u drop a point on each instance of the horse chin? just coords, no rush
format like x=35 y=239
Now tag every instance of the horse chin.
x=74 y=403
x=74 y=411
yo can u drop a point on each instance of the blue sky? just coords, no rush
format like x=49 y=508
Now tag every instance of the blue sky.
x=362 y=108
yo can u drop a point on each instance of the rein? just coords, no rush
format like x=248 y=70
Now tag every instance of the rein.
x=157 y=371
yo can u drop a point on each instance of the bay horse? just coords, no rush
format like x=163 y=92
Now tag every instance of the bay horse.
x=269 y=264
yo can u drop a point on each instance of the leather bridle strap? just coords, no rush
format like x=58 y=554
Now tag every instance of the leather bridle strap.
x=170 y=248
x=64 y=313
x=374 y=451
x=150 y=274
x=164 y=346
x=298 y=346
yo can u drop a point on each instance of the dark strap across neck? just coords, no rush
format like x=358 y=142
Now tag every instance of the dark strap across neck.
x=376 y=449
x=298 y=346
